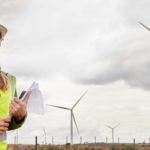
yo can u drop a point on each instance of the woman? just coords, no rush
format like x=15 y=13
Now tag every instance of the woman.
x=12 y=110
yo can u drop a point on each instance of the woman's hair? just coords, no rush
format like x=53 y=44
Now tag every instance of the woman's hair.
x=4 y=83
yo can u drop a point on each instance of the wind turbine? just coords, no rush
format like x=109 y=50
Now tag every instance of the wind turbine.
x=72 y=117
x=45 y=136
x=112 y=128
x=144 y=26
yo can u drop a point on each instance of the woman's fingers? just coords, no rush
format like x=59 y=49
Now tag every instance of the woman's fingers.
x=6 y=120
x=3 y=130
x=4 y=123
x=18 y=108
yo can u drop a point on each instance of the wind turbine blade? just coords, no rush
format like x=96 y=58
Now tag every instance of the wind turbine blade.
x=109 y=127
x=75 y=122
x=116 y=126
x=144 y=26
x=58 y=106
x=79 y=99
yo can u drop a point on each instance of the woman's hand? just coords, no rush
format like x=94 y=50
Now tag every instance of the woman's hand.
x=4 y=123
x=18 y=108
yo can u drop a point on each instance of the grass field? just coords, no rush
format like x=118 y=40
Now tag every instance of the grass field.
x=81 y=147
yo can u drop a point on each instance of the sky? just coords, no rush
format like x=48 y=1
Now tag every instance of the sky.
x=71 y=46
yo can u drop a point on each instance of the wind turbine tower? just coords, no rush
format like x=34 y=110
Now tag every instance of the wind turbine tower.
x=72 y=117
x=112 y=128
x=45 y=136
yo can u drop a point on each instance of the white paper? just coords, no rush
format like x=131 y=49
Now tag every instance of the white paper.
x=35 y=102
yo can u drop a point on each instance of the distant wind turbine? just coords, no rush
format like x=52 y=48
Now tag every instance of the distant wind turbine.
x=72 y=117
x=144 y=26
x=45 y=135
x=112 y=128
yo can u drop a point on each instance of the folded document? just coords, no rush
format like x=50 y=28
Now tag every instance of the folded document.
x=35 y=102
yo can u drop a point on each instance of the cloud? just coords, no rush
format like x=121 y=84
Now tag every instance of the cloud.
x=126 y=56
x=91 y=43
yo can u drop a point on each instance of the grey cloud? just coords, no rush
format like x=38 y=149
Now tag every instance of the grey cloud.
x=127 y=55
x=98 y=44
x=134 y=69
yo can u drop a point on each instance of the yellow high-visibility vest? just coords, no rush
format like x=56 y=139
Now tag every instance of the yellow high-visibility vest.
x=5 y=100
